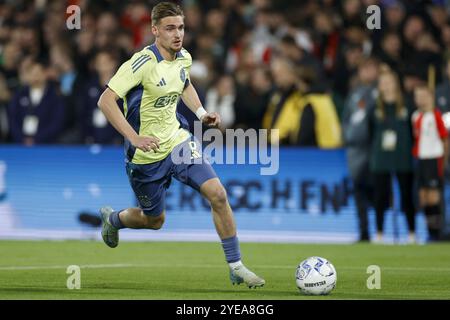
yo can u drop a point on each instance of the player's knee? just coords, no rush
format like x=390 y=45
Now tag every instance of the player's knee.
x=154 y=223
x=218 y=196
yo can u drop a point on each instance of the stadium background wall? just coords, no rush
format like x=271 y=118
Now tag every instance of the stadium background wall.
x=43 y=191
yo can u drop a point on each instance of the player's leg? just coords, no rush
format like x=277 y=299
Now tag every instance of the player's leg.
x=223 y=218
x=135 y=218
x=201 y=176
x=150 y=193
x=222 y=214
x=224 y=222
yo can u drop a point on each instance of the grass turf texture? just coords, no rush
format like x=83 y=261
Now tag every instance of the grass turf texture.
x=183 y=270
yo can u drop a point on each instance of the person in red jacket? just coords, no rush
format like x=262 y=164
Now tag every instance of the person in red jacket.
x=431 y=150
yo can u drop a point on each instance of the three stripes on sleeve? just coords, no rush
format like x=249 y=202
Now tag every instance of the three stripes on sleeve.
x=139 y=62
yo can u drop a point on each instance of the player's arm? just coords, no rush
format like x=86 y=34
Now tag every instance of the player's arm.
x=129 y=75
x=108 y=104
x=192 y=101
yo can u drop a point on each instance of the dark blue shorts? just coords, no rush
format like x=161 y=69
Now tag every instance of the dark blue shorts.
x=150 y=181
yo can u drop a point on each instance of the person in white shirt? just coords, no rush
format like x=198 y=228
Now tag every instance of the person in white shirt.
x=431 y=150
x=220 y=99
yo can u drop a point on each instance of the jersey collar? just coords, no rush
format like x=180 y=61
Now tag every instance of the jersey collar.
x=158 y=55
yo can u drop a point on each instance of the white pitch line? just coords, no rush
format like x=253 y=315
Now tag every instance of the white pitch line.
x=205 y=266
x=87 y=266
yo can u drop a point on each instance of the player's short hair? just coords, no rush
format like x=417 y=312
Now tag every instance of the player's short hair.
x=165 y=9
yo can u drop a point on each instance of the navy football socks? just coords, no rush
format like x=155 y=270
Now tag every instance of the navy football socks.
x=115 y=220
x=231 y=249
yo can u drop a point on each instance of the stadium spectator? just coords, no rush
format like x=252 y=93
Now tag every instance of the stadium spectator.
x=264 y=34
x=394 y=14
x=291 y=50
x=412 y=78
x=211 y=40
x=329 y=36
x=391 y=145
x=283 y=112
x=443 y=91
x=355 y=125
x=432 y=150
x=351 y=13
x=135 y=18
x=193 y=20
x=445 y=40
x=345 y=70
x=220 y=98
x=426 y=55
x=304 y=115
x=84 y=50
x=319 y=122
x=391 y=51
x=252 y=99
x=94 y=126
x=36 y=112
x=438 y=17
x=11 y=56
x=107 y=29
x=414 y=26
x=62 y=69
x=327 y=40
x=63 y=73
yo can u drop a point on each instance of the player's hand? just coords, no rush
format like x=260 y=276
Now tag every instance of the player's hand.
x=146 y=143
x=211 y=119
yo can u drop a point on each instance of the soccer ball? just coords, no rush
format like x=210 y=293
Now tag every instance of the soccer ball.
x=315 y=276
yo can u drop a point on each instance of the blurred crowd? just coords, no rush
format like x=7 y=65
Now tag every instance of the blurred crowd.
x=312 y=69
x=289 y=65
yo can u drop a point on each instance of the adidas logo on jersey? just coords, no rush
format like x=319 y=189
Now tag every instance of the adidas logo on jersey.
x=161 y=83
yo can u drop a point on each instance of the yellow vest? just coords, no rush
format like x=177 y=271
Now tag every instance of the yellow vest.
x=327 y=126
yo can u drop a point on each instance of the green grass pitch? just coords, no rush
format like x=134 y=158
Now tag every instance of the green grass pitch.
x=188 y=270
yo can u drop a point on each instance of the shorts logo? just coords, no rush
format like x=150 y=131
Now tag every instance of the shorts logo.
x=144 y=201
x=182 y=75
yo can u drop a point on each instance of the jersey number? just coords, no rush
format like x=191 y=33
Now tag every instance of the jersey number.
x=166 y=100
